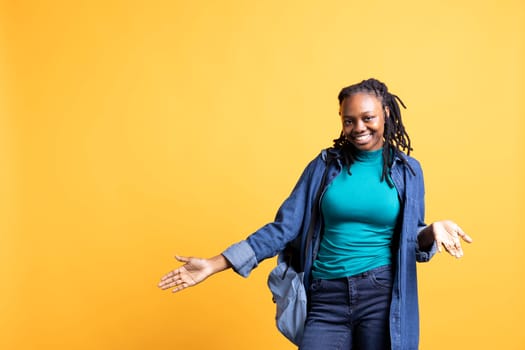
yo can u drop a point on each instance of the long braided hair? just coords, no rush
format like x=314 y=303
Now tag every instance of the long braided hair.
x=395 y=136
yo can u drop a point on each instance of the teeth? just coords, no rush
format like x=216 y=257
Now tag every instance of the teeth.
x=362 y=137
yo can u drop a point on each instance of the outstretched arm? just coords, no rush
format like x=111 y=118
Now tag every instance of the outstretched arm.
x=194 y=271
x=446 y=234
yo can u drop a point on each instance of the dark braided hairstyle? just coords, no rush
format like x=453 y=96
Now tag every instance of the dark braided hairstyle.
x=395 y=136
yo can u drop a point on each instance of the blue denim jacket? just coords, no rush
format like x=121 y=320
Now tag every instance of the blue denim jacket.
x=293 y=219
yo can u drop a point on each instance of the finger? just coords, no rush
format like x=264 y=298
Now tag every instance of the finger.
x=171 y=274
x=163 y=284
x=180 y=287
x=182 y=258
x=454 y=249
x=167 y=285
x=170 y=278
x=171 y=283
x=463 y=235
x=458 y=252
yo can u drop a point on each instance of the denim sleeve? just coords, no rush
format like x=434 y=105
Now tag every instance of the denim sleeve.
x=270 y=239
x=422 y=255
x=242 y=258
x=425 y=255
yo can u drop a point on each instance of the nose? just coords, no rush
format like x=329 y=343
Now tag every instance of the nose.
x=359 y=126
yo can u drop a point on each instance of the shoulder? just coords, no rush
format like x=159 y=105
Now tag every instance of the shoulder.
x=329 y=154
x=322 y=159
x=413 y=165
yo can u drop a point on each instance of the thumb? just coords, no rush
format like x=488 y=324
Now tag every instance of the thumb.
x=182 y=258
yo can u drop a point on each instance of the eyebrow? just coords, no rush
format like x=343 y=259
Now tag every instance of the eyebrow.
x=362 y=114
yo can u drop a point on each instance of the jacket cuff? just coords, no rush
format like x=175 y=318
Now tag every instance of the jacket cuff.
x=425 y=255
x=242 y=258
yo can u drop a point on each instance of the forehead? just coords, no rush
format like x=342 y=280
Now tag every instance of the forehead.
x=361 y=102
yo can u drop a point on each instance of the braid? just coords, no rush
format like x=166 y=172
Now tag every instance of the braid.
x=395 y=136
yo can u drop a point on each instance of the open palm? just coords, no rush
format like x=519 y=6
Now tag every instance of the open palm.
x=194 y=271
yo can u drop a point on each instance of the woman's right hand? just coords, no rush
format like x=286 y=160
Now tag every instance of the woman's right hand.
x=194 y=271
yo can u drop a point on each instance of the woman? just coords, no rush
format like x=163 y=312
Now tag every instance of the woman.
x=361 y=274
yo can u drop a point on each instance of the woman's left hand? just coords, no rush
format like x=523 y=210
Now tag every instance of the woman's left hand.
x=448 y=234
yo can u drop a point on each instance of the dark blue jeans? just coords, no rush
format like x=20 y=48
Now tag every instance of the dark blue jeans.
x=350 y=313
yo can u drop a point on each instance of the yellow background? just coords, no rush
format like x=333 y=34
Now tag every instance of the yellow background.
x=133 y=131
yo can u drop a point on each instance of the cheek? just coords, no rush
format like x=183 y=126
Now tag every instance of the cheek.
x=380 y=125
x=381 y=130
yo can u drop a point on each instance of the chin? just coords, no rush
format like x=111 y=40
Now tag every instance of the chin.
x=368 y=147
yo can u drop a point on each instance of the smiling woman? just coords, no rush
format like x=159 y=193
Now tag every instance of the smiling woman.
x=361 y=273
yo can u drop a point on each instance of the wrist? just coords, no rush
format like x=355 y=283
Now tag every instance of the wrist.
x=218 y=263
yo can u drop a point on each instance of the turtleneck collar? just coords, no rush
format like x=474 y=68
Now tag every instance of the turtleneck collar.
x=369 y=156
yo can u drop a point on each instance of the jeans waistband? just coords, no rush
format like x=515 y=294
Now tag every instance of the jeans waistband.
x=372 y=271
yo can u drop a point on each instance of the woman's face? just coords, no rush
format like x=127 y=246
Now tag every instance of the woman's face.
x=363 y=121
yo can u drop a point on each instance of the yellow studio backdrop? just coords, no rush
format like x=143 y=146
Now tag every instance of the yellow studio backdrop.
x=131 y=131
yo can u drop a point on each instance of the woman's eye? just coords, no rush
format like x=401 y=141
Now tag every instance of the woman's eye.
x=367 y=119
x=348 y=122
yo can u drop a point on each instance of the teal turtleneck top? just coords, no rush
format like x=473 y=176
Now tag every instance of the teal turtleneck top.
x=360 y=213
